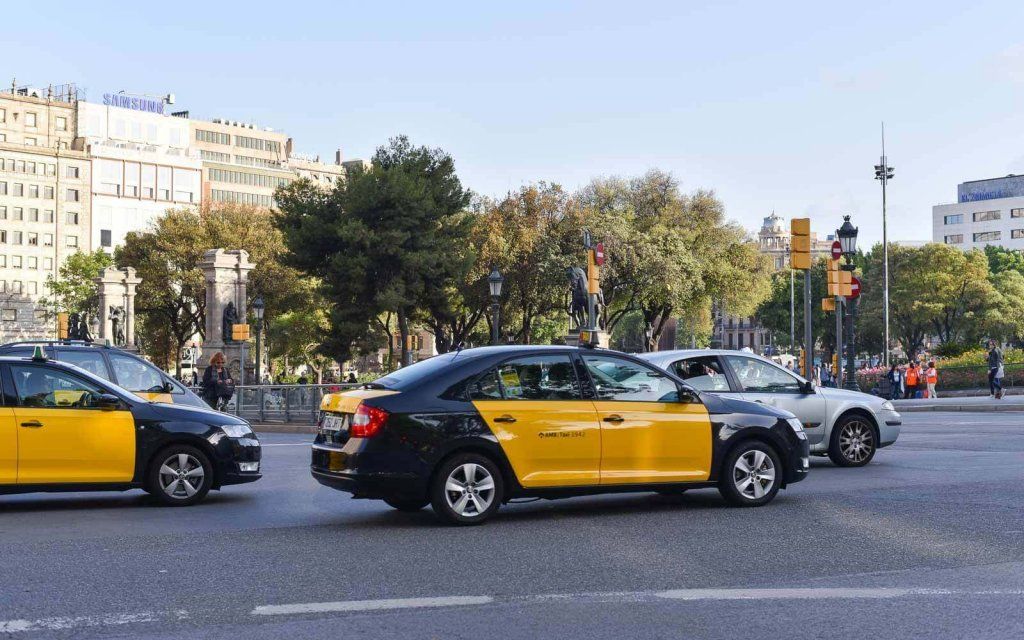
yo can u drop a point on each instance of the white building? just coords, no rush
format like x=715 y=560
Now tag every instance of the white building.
x=142 y=165
x=986 y=212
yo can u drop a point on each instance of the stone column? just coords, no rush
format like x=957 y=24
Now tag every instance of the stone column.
x=227 y=274
x=110 y=285
x=130 y=282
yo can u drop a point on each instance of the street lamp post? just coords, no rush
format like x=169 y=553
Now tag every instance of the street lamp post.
x=494 y=281
x=847 y=235
x=884 y=173
x=257 y=309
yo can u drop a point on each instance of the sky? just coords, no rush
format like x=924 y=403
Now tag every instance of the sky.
x=776 y=106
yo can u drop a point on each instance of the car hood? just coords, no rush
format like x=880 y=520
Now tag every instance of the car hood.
x=167 y=411
x=846 y=395
x=723 y=404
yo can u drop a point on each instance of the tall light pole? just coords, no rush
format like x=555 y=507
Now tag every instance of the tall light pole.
x=258 y=309
x=884 y=173
x=494 y=281
x=847 y=235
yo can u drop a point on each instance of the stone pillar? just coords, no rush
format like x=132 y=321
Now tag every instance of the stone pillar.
x=110 y=285
x=130 y=281
x=227 y=275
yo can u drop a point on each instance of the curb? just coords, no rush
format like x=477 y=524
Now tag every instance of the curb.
x=965 y=408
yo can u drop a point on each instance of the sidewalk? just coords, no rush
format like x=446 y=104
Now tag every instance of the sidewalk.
x=963 y=403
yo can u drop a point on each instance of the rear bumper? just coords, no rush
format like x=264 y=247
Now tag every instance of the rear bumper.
x=338 y=469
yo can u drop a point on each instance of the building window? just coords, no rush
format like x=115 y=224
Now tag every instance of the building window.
x=33 y=190
x=31 y=142
x=985 y=216
x=47 y=239
x=48 y=215
x=1016 y=233
x=51 y=169
x=3 y=238
x=1017 y=213
x=3 y=213
x=215 y=156
x=71 y=172
x=987 y=236
x=48 y=263
x=72 y=217
x=72 y=241
x=19 y=189
x=72 y=195
x=33 y=262
x=61 y=123
x=212 y=136
x=48 y=193
x=104 y=237
x=16 y=262
x=3 y=115
x=3 y=263
x=33 y=239
x=30 y=119
x=33 y=215
x=19 y=213
x=3 y=188
x=956 y=238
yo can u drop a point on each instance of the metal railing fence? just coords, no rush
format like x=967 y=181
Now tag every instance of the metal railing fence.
x=295 y=403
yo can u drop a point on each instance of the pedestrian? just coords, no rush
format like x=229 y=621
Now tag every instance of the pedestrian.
x=218 y=385
x=195 y=378
x=351 y=378
x=995 y=370
x=911 y=380
x=895 y=377
x=931 y=376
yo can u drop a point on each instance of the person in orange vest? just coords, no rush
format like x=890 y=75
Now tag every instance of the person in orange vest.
x=912 y=376
x=931 y=376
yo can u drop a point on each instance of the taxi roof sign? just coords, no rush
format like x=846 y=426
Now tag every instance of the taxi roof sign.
x=38 y=355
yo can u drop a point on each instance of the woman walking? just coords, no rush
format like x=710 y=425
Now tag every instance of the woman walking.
x=895 y=383
x=995 y=370
x=218 y=385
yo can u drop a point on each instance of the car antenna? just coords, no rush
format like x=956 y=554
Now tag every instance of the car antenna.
x=458 y=350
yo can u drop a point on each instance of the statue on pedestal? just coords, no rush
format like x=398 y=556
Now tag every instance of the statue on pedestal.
x=230 y=318
x=117 y=317
x=578 y=299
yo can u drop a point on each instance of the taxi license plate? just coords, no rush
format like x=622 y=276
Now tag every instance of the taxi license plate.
x=333 y=423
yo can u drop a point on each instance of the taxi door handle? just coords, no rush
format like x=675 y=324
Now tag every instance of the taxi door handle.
x=505 y=418
x=32 y=424
x=614 y=418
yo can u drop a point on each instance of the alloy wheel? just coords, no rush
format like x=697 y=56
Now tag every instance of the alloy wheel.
x=181 y=476
x=856 y=441
x=469 y=489
x=754 y=474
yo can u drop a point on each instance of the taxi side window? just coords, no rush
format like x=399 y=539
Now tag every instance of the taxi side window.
x=486 y=387
x=539 y=378
x=89 y=359
x=42 y=387
x=626 y=381
x=135 y=375
x=703 y=373
x=757 y=376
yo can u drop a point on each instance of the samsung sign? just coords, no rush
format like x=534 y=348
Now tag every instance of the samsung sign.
x=133 y=102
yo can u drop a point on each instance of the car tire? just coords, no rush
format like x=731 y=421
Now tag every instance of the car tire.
x=750 y=475
x=853 y=442
x=166 y=484
x=407 y=505
x=467 y=489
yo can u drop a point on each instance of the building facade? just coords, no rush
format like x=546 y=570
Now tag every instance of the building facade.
x=241 y=162
x=44 y=203
x=736 y=332
x=986 y=212
x=142 y=165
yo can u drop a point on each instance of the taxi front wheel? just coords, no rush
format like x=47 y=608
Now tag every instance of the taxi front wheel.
x=751 y=475
x=179 y=476
x=467 y=489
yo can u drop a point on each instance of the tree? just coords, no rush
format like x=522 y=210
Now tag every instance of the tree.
x=73 y=290
x=774 y=312
x=389 y=238
x=298 y=336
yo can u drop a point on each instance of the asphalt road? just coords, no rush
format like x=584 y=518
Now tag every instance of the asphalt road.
x=926 y=542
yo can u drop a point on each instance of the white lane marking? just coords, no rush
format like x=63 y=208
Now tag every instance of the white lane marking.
x=370 y=605
x=57 y=624
x=824 y=593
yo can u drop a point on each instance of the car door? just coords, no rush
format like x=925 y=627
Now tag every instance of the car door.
x=139 y=377
x=8 y=442
x=647 y=434
x=766 y=382
x=63 y=436
x=548 y=431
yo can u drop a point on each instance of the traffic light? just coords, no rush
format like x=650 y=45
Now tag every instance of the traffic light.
x=835 y=361
x=839 y=281
x=800 y=243
x=62 y=326
x=833 y=277
x=828 y=304
x=240 y=332
x=595 y=258
x=845 y=283
x=884 y=172
x=803 y=363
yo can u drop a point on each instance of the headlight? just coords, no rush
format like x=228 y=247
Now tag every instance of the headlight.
x=796 y=424
x=236 y=430
x=887 y=406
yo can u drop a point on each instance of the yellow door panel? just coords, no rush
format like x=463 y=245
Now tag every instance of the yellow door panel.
x=654 y=442
x=155 y=397
x=8 y=446
x=58 y=445
x=551 y=443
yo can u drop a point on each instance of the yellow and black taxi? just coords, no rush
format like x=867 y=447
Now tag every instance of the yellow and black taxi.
x=63 y=428
x=468 y=431
x=119 y=366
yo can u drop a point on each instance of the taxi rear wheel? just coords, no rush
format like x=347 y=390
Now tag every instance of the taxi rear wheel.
x=467 y=489
x=179 y=476
x=751 y=475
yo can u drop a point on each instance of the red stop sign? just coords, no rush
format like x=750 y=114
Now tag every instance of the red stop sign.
x=854 y=288
x=837 y=250
x=599 y=254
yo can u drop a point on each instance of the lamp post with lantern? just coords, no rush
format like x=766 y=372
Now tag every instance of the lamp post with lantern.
x=847 y=235
x=495 y=281
x=258 y=308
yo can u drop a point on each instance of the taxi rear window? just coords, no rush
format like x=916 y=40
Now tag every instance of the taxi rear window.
x=408 y=376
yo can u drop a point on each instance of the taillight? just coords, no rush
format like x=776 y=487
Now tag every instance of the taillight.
x=367 y=421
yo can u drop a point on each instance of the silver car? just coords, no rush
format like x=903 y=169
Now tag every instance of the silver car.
x=847 y=426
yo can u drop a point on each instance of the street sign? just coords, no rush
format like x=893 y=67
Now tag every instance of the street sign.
x=599 y=254
x=837 y=250
x=854 y=288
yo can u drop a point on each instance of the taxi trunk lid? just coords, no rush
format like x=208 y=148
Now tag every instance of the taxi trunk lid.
x=337 y=410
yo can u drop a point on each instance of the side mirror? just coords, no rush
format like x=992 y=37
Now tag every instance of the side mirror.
x=168 y=387
x=687 y=396
x=108 y=402
x=808 y=387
